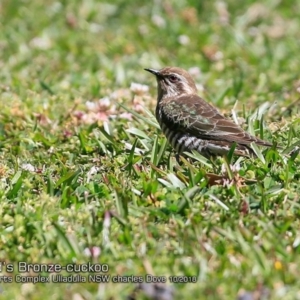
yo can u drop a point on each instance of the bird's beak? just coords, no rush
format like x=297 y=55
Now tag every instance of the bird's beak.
x=155 y=72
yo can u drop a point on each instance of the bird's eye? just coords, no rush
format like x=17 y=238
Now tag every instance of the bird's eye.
x=173 y=78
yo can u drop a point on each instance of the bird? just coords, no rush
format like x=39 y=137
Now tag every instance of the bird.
x=190 y=123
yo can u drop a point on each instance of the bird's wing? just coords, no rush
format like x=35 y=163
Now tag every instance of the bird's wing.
x=193 y=115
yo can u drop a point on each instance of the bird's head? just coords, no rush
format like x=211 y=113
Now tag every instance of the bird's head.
x=172 y=82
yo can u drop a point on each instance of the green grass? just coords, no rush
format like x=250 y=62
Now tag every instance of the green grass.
x=75 y=174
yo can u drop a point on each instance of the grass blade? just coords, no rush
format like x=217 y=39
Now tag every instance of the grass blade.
x=149 y=121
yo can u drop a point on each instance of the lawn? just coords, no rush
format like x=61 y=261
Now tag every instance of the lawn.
x=89 y=185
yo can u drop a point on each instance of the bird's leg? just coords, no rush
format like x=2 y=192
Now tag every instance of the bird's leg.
x=177 y=156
